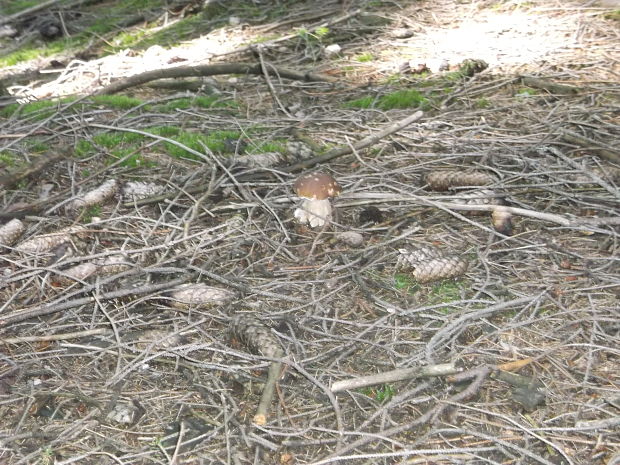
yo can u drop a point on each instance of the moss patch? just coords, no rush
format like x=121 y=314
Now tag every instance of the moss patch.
x=122 y=102
x=408 y=98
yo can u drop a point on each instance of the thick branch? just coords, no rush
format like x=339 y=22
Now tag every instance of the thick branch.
x=210 y=70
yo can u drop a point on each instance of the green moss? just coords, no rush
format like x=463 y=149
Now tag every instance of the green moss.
x=7 y=159
x=36 y=146
x=408 y=98
x=526 y=92
x=39 y=110
x=381 y=393
x=483 y=103
x=365 y=57
x=89 y=212
x=213 y=141
x=406 y=283
x=83 y=149
x=115 y=139
x=134 y=160
x=445 y=292
x=612 y=15
x=122 y=102
x=186 y=28
x=14 y=6
x=272 y=146
x=199 y=101
x=363 y=102
x=9 y=110
x=164 y=131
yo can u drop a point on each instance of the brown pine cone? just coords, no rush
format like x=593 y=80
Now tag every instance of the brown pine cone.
x=200 y=295
x=255 y=335
x=10 y=232
x=409 y=258
x=439 y=268
x=444 y=180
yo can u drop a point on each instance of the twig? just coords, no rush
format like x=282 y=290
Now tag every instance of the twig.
x=55 y=337
x=210 y=70
x=365 y=142
x=605 y=152
x=260 y=418
x=395 y=375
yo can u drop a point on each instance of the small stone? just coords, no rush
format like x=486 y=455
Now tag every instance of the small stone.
x=351 y=238
x=332 y=50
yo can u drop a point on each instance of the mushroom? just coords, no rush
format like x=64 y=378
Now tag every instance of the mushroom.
x=315 y=189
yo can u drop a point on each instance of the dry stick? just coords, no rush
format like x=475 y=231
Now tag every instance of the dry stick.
x=260 y=418
x=54 y=307
x=209 y=70
x=549 y=86
x=604 y=151
x=447 y=206
x=365 y=142
x=395 y=375
x=55 y=337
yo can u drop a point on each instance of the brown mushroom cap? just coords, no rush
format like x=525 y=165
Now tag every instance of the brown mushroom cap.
x=316 y=186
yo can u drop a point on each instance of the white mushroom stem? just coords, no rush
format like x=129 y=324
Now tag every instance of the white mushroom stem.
x=314 y=212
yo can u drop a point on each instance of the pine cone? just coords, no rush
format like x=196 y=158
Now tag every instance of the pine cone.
x=200 y=295
x=10 y=232
x=444 y=180
x=47 y=242
x=255 y=335
x=135 y=190
x=97 y=196
x=408 y=259
x=439 y=268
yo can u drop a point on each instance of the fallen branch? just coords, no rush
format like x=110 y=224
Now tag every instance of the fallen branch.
x=395 y=375
x=603 y=151
x=549 y=86
x=365 y=142
x=210 y=70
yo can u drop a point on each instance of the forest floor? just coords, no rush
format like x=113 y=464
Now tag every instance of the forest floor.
x=152 y=271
